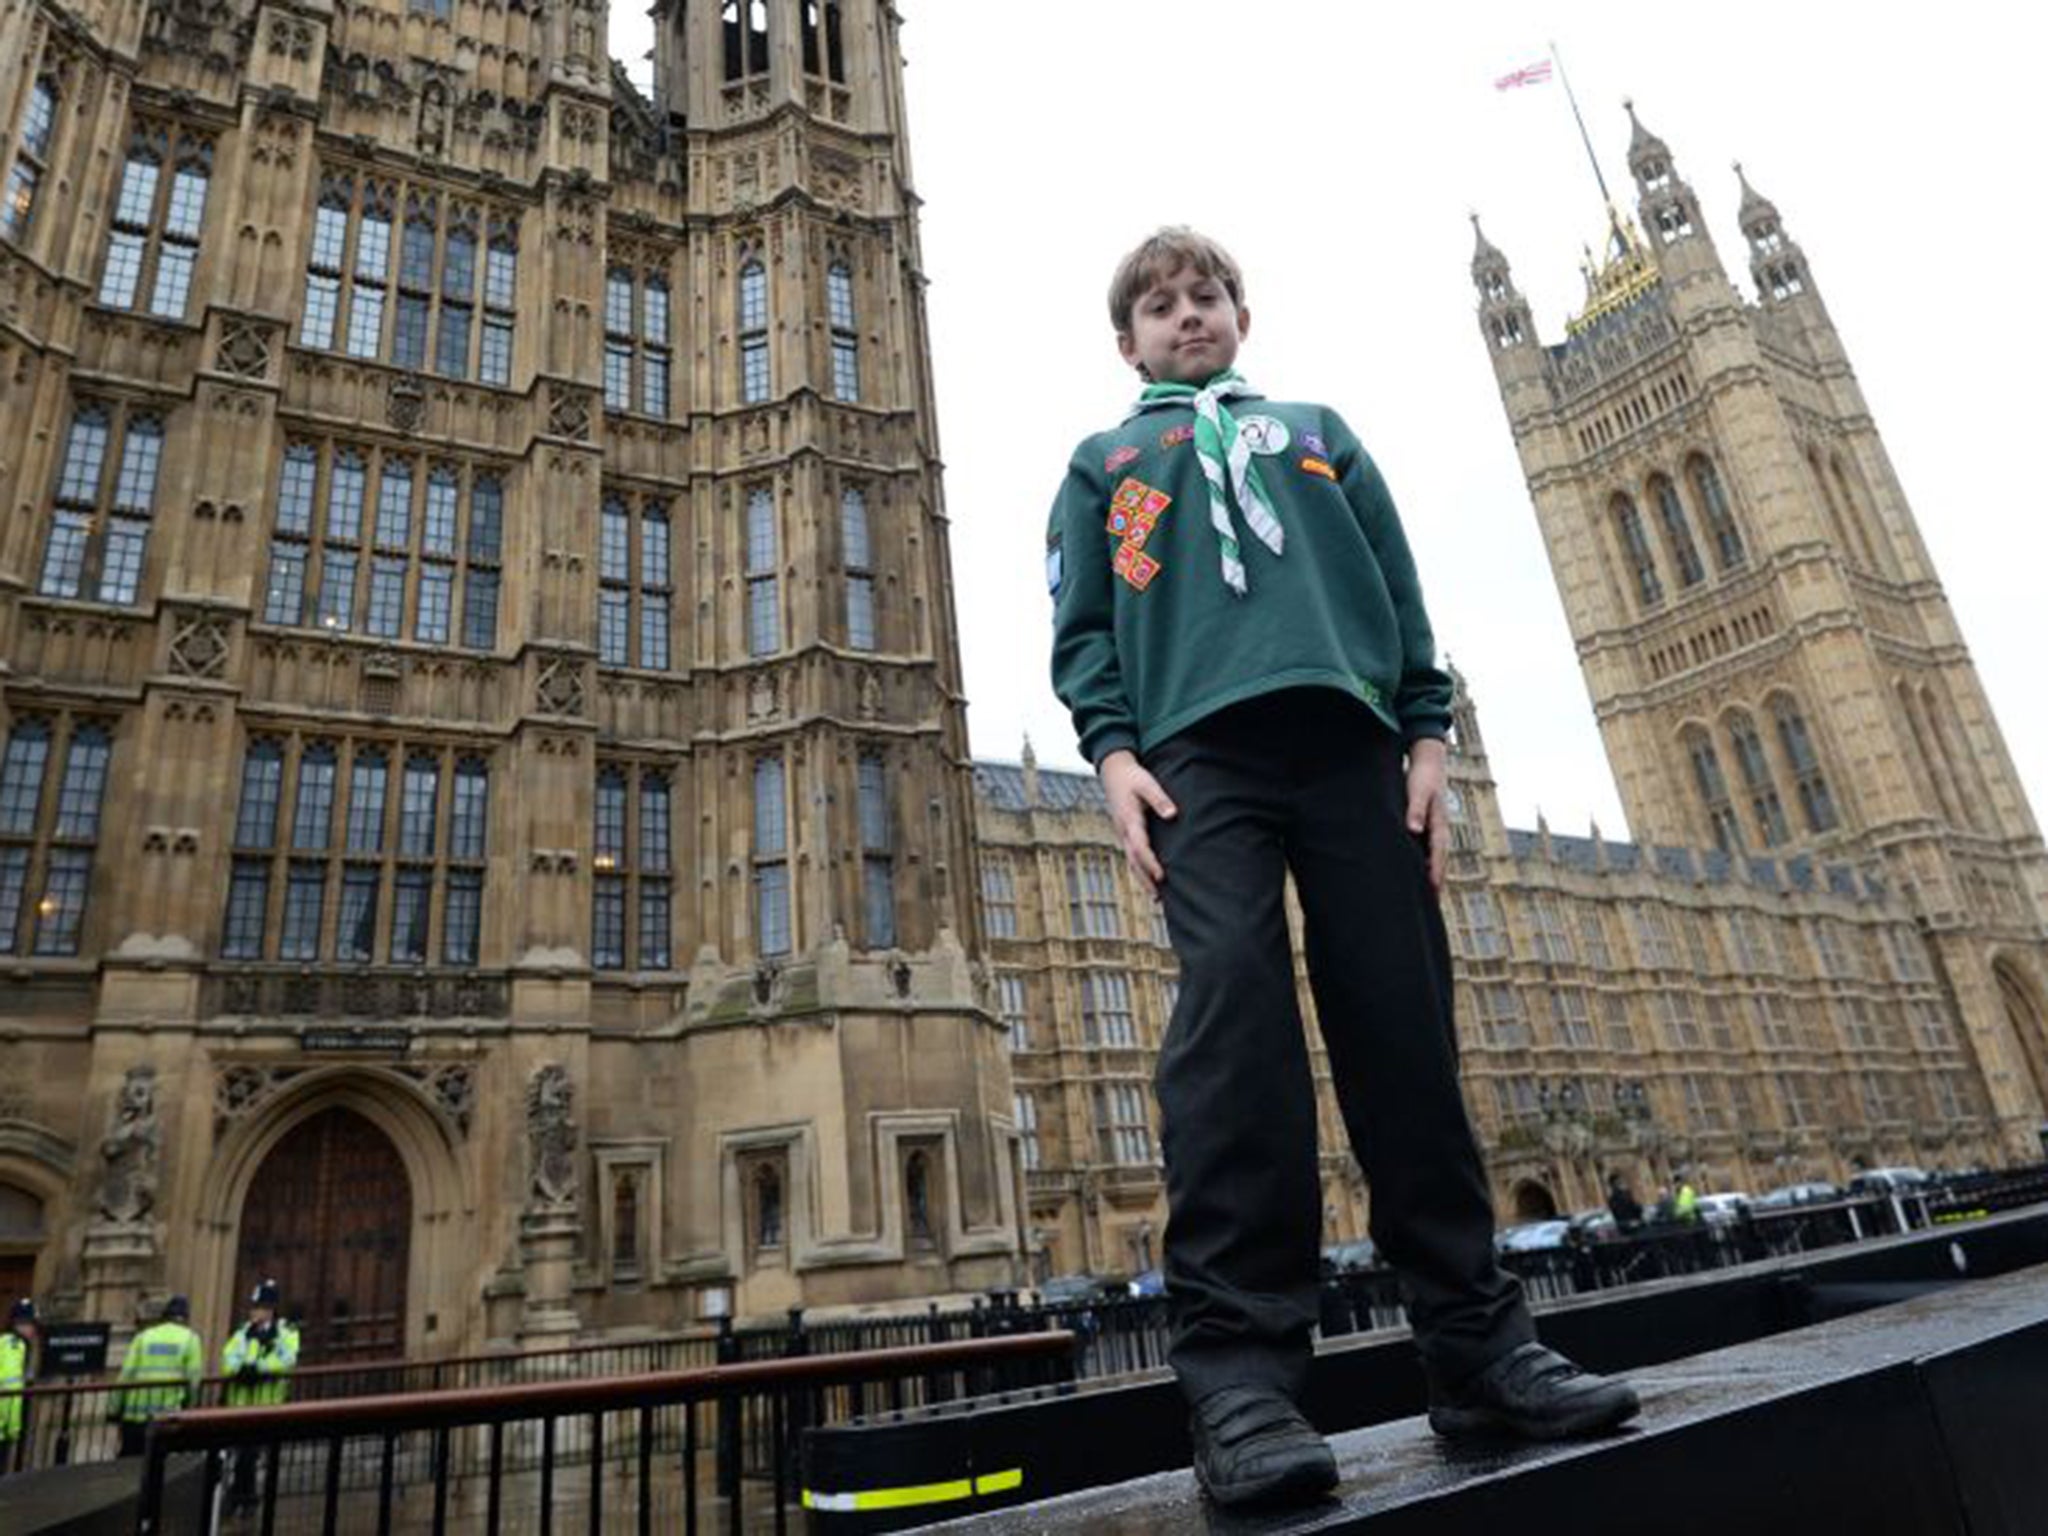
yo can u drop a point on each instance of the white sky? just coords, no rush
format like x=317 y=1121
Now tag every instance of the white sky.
x=1338 y=152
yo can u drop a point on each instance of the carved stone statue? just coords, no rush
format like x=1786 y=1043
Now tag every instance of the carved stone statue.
x=551 y=1133
x=128 y=1189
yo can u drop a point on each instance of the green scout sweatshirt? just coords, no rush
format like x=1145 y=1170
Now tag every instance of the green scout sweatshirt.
x=1148 y=638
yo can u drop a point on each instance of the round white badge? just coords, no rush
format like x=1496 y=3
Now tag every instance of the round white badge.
x=1264 y=434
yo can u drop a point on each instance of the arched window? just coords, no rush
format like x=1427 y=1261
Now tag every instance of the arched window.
x=1765 y=805
x=858 y=559
x=1844 y=530
x=745 y=27
x=1713 y=788
x=845 y=338
x=771 y=858
x=1966 y=782
x=753 y=332
x=32 y=164
x=824 y=47
x=768 y=1207
x=1635 y=545
x=917 y=1198
x=1877 y=550
x=1685 y=554
x=1815 y=802
x=157 y=226
x=1934 y=770
x=99 y=558
x=1713 y=500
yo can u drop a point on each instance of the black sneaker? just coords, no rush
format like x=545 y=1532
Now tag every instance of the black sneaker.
x=1252 y=1446
x=1536 y=1394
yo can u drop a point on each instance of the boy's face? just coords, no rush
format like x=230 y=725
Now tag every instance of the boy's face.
x=1185 y=328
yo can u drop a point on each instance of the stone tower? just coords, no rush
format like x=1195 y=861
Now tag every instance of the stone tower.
x=1773 y=664
x=480 y=712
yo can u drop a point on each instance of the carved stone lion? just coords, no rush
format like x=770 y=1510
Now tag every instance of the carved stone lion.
x=128 y=1188
x=551 y=1134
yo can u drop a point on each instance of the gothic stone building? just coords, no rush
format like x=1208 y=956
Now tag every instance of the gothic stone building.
x=1647 y=1009
x=485 y=820
x=1773 y=664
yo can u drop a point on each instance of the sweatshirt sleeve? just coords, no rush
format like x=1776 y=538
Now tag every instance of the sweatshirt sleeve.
x=1085 y=671
x=1422 y=700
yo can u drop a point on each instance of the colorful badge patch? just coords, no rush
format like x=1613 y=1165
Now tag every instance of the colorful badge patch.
x=1316 y=466
x=1310 y=443
x=1133 y=514
x=1119 y=457
x=1173 y=437
x=1264 y=434
x=1135 y=566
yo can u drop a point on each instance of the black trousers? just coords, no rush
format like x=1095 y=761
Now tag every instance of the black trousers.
x=1308 y=781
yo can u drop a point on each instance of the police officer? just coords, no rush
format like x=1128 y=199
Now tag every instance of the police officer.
x=258 y=1360
x=159 y=1374
x=17 y=1348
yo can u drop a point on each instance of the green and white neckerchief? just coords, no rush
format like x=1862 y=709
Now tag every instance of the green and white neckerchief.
x=1226 y=463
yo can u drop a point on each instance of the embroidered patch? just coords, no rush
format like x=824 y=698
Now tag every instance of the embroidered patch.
x=1264 y=434
x=1135 y=566
x=1135 y=499
x=1054 y=569
x=1119 y=457
x=1173 y=437
x=1133 y=513
x=1321 y=467
x=1310 y=443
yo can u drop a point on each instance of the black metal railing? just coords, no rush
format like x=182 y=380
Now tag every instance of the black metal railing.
x=667 y=1450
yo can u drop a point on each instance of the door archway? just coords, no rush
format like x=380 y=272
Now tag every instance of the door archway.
x=21 y=1239
x=1534 y=1202
x=2023 y=1014
x=329 y=1217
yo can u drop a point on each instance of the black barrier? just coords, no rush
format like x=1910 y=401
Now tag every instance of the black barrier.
x=1061 y=1443
x=1918 y=1420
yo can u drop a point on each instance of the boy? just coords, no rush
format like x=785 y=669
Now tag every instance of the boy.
x=1240 y=637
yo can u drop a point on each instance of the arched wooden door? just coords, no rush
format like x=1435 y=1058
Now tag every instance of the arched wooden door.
x=329 y=1217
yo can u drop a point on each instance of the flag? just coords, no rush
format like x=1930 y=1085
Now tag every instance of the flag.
x=1528 y=74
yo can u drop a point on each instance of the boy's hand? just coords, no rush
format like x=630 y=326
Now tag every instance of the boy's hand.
x=1427 y=815
x=1132 y=792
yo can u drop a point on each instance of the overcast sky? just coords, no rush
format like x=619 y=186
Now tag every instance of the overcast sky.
x=1338 y=154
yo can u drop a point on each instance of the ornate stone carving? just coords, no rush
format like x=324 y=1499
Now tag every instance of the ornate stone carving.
x=129 y=1150
x=869 y=706
x=569 y=412
x=559 y=688
x=551 y=1134
x=451 y=1085
x=763 y=697
x=199 y=642
x=244 y=348
x=836 y=178
x=406 y=407
x=239 y=1088
x=291 y=38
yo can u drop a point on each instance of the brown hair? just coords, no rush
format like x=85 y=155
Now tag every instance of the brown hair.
x=1162 y=253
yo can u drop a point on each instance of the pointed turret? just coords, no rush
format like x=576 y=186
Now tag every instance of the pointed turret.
x=1503 y=312
x=1669 y=210
x=1775 y=260
x=1509 y=329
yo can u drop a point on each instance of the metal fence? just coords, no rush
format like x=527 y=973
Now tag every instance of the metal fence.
x=1111 y=1336
x=670 y=1450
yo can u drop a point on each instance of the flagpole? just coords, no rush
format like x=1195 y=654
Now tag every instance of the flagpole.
x=1585 y=138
